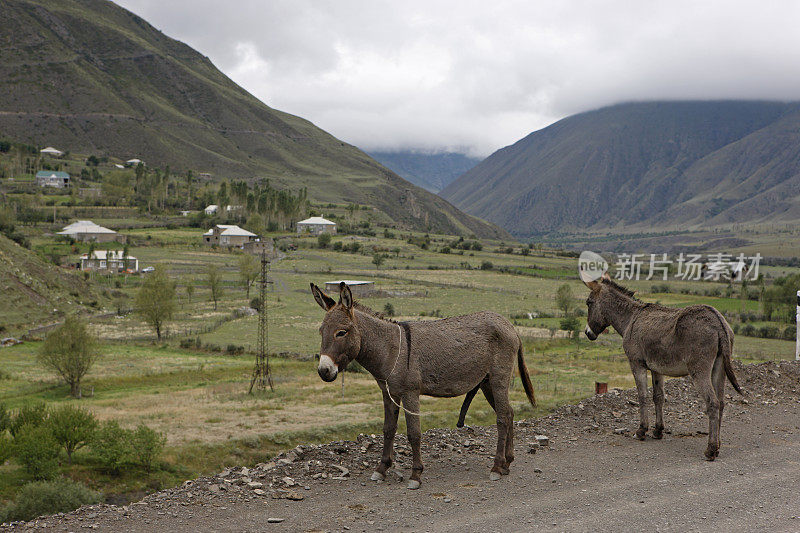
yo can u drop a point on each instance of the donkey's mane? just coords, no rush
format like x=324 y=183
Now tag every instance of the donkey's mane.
x=368 y=310
x=619 y=288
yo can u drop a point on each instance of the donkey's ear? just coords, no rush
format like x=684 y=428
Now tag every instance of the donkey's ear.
x=324 y=301
x=593 y=285
x=345 y=295
x=606 y=276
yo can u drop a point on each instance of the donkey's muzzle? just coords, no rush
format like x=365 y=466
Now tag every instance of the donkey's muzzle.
x=589 y=333
x=327 y=368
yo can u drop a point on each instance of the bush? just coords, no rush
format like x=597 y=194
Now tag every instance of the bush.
x=111 y=446
x=6 y=448
x=572 y=325
x=337 y=245
x=487 y=265
x=388 y=309
x=255 y=303
x=233 y=349
x=72 y=428
x=790 y=333
x=5 y=418
x=48 y=497
x=323 y=240
x=36 y=450
x=147 y=445
x=749 y=330
x=32 y=414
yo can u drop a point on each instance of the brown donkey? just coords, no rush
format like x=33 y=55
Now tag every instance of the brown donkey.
x=694 y=341
x=443 y=358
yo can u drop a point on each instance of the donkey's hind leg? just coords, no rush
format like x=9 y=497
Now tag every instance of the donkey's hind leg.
x=505 y=423
x=658 y=400
x=701 y=377
x=390 y=413
x=411 y=403
x=487 y=392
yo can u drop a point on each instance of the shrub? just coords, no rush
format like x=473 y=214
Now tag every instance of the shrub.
x=487 y=265
x=31 y=414
x=323 y=240
x=5 y=418
x=790 y=333
x=255 y=303
x=6 y=448
x=70 y=351
x=147 y=445
x=572 y=325
x=36 y=450
x=445 y=250
x=337 y=245
x=388 y=309
x=72 y=427
x=749 y=330
x=233 y=349
x=111 y=446
x=48 y=497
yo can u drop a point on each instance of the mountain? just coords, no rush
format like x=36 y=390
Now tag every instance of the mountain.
x=433 y=172
x=643 y=165
x=90 y=77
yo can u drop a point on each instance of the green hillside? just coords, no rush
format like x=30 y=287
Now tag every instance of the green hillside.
x=667 y=165
x=90 y=77
x=36 y=292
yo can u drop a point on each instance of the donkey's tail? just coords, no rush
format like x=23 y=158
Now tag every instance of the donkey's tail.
x=526 y=379
x=726 y=350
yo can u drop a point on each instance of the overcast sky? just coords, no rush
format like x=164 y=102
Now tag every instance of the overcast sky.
x=478 y=75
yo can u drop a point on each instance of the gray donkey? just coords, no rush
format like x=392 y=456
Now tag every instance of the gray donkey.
x=443 y=358
x=694 y=341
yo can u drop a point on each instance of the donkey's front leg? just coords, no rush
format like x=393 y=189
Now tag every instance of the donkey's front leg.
x=658 y=400
x=411 y=403
x=640 y=376
x=390 y=412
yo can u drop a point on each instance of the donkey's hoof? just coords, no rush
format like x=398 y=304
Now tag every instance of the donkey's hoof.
x=658 y=433
x=711 y=453
x=494 y=476
x=413 y=484
x=640 y=434
x=377 y=476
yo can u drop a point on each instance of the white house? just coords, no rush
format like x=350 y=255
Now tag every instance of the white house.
x=52 y=178
x=109 y=260
x=211 y=209
x=133 y=162
x=86 y=230
x=51 y=151
x=228 y=235
x=316 y=225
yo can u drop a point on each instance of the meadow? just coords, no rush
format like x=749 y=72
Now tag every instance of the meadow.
x=192 y=386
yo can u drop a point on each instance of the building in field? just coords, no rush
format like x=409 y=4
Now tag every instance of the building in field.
x=316 y=225
x=258 y=246
x=130 y=163
x=228 y=235
x=358 y=288
x=88 y=231
x=111 y=261
x=52 y=178
x=52 y=152
x=211 y=209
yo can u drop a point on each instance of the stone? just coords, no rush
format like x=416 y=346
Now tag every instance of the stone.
x=543 y=440
x=255 y=485
x=620 y=431
x=260 y=492
x=294 y=496
x=289 y=482
x=273 y=520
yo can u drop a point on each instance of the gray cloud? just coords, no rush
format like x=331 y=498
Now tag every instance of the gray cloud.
x=475 y=75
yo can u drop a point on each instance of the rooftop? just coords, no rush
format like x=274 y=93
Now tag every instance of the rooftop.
x=317 y=220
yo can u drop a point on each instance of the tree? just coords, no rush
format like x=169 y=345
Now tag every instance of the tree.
x=72 y=427
x=189 y=290
x=323 y=240
x=573 y=325
x=155 y=301
x=564 y=299
x=249 y=269
x=377 y=260
x=214 y=283
x=70 y=351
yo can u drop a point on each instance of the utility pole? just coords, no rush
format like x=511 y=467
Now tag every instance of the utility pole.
x=261 y=373
x=797 y=334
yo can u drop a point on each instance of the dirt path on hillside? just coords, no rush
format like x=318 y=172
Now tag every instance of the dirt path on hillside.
x=591 y=476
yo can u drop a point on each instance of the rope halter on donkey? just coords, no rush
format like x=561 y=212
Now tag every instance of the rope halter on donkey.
x=386 y=381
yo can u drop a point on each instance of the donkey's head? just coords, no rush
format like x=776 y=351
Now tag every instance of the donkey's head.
x=598 y=317
x=341 y=338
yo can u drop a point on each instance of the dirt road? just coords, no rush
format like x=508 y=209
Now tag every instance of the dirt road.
x=590 y=476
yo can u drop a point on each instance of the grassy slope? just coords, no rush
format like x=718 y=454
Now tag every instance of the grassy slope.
x=91 y=77
x=33 y=289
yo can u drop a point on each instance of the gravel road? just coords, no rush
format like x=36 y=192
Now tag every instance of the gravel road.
x=591 y=475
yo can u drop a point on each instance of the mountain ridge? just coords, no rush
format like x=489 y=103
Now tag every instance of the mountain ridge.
x=431 y=171
x=91 y=77
x=681 y=164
